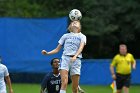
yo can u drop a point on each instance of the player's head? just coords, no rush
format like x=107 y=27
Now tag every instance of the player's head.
x=55 y=63
x=75 y=26
x=123 y=49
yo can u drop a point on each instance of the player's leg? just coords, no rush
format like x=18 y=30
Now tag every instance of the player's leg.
x=119 y=83
x=75 y=74
x=75 y=83
x=126 y=89
x=64 y=68
x=126 y=83
x=64 y=80
x=119 y=90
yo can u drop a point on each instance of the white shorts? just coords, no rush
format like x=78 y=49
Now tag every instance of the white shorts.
x=3 y=91
x=73 y=67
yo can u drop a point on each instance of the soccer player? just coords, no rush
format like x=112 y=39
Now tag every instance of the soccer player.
x=52 y=81
x=74 y=43
x=123 y=63
x=4 y=75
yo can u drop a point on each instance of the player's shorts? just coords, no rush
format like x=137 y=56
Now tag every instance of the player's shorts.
x=123 y=80
x=73 y=67
x=3 y=91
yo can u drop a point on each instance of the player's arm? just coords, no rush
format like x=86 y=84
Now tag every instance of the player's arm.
x=133 y=62
x=56 y=50
x=112 y=65
x=43 y=90
x=82 y=44
x=134 y=65
x=44 y=84
x=8 y=81
x=43 y=87
x=112 y=72
x=78 y=52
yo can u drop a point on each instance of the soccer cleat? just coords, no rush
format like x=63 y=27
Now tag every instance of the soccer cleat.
x=81 y=91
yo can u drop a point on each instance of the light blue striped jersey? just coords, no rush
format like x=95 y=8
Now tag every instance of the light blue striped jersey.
x=3 y=73
x=71 y=42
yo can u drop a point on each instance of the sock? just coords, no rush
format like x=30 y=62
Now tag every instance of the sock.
x=79 y=88
x=62 y=91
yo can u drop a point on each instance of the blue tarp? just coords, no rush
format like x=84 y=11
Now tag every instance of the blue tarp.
x=21 y=42
x=96 y=72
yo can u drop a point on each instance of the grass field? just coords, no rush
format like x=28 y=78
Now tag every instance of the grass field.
x=35 y=88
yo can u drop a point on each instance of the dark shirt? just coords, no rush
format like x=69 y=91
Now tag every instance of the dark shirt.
x=51 y=83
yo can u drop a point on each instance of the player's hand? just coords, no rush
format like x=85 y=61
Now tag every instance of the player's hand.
x=134 y=66
x=44 y=52
x=114 y=76
x=73 y=59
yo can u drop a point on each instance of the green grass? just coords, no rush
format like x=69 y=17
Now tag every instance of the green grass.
x=35 y=88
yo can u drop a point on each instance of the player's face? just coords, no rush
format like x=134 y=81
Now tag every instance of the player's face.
x=123 y=49
x=55 y=64
x=75 y=26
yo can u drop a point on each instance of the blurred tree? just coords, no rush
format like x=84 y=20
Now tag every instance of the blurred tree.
x=112 y=22
x=107 y=23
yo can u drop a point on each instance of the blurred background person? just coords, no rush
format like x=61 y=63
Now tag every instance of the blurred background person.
x=4 y=74
x=123 y=63
x=52 y=81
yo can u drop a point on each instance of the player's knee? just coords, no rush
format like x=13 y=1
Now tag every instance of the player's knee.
x=64 y=81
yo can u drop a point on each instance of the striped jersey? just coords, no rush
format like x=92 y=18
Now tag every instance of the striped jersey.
x=71 y=42
x=3 y=73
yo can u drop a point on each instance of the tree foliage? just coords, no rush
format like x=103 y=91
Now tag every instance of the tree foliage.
x=106 y=23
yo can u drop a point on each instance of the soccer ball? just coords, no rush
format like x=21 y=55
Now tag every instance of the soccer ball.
x=75 y=15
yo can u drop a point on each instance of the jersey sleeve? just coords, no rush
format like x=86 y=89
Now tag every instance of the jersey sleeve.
x=114 y=62
x=44 y=82
x=132 y=59
x=62 y=40
x=6 y=73
x=84 y=39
